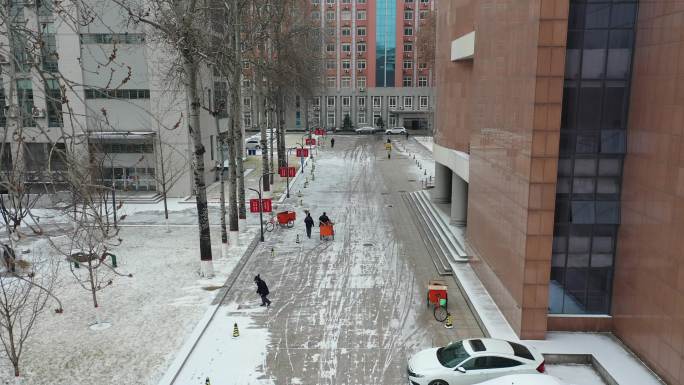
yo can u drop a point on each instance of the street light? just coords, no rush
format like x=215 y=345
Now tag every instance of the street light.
x=261 y=207
x=287 y=171
x=301 y=157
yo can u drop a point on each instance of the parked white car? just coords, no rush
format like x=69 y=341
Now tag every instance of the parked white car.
x=396 y=131
x=525 y=379
x=473 y=361
x=365 y=130
x=253 y=143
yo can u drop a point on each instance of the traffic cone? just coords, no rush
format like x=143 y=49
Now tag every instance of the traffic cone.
x=272 y=252
x=297 y=241
x=425 y=172
x=207 y=382
x=236 y=332
x=449 y=324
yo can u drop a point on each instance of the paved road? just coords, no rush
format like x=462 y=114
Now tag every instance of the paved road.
x=348 y=311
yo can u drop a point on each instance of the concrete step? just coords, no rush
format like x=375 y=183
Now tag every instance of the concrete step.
x=450 y=249
x=145 y=199
x=443 y=269
x=445 y=251
x=443 y=226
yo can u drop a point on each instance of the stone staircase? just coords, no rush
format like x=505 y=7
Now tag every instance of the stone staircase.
x=140 y=198
x=444 y=247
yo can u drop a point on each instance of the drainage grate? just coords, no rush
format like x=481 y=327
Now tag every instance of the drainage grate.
x=367 y=244
x=411 y=180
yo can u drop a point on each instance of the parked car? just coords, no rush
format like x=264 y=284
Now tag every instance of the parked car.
x=473 y=361
x=396 y=131
x=525 y=379
x=253 y=143
x=365 y=130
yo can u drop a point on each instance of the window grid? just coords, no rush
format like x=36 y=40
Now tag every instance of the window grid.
x=592 y=146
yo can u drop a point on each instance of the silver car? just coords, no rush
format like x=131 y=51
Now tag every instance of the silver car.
x=395 y=131
x=365 y=130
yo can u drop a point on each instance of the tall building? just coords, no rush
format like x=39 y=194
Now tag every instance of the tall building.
x=372 y=65
x=119 y=101
x=558 y=142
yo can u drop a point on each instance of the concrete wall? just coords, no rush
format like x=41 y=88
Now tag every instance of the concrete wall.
x=503 y=107
x=648 y=291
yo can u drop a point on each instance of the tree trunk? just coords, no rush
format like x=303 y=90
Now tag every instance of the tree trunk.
x=232 y=177
x=222 y=178
x=281 y=133
x=93 y=290
x=270 y=122
x=237 y=113
x=191 y=70
x=265 y=169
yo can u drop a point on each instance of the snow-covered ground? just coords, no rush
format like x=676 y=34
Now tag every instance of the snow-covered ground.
x=426 y=141
x=151 y=313
x=575 y=374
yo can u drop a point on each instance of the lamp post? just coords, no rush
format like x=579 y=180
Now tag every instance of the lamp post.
x=287 y=172
x=261 y=206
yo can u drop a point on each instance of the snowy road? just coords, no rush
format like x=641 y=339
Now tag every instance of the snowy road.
x=348 y=311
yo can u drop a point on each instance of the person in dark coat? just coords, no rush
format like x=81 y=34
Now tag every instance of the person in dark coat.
x=262 y=290
x=324 y=220
x=309 y=222
x=332 y=142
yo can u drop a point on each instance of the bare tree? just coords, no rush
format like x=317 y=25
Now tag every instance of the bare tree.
x=181 y=26
x=24 y=297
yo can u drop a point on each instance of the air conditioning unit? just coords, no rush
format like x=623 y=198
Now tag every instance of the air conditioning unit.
x=362 y=108
x=360 y=54
x=348 y=53
x=346 y=71
x=362 y=89
x=38 y=112
x=12 y=111
x=360 y=71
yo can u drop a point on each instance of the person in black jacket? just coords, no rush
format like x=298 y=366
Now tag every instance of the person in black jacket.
x=324 y=220
x=262 y=290
x=309 y=222
x=332 y=142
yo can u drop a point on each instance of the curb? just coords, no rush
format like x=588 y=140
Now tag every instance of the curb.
x=189 y=345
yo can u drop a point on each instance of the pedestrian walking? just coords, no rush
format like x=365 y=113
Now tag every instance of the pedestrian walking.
x=324 y=220
x=262 y=290
x=332 y=142
x=309 y=222
x=407 y=135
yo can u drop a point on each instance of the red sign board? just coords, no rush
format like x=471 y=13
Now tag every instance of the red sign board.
x=266 y=205
x=311 y=141
x=283 y=171
x=302 y=152
x=253 y=205
x=319 y=131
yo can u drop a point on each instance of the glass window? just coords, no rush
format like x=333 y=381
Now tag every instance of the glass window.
x=452 y=355
x=614 y=105
x=346 y=47
x=408 y=102
x=361 y=82
x=331 y=64
x=590 y=106
x=613 y=142
x=331 y=82
x=610 y=167
x=424 y=102
x=623 y=15
x=408 y=14
x=585 y=167
x=608 y=212
x=594 y=54
x=361 y=64
x=361 y=47
x=331 y=101
x=422 y=81
x=620 y=45
x=583 y=212
x=361 y=101
x=408 y=64
x=361 y=15
x=597 y=16
x=392 y=101
x=408 y=31
x=346 y=64
x=377 y=102
x=407 y=81
x=361 y=31
x=361 y=118
x=386 y=42
x=346 y=31
x=346 y=82
x=346 y=101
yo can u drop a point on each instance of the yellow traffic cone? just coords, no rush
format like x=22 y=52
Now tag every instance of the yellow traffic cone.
x=449 y=324
x=236 y=332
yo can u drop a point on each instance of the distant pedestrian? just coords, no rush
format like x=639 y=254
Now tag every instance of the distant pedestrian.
x=262 y=290
x=332 y=142
x=309 y=222
x=407 y=135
